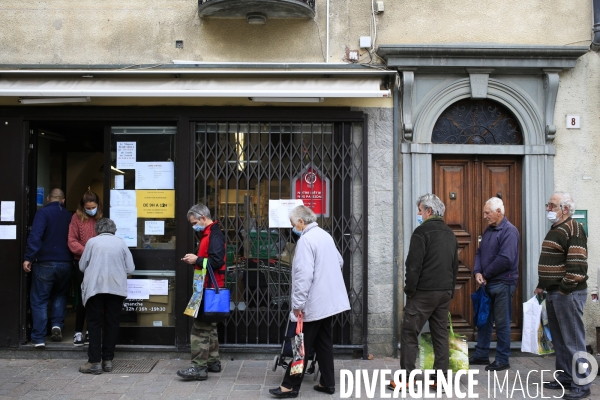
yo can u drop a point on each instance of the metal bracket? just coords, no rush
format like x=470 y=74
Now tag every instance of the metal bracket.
x=551 y=80
x=408 y=82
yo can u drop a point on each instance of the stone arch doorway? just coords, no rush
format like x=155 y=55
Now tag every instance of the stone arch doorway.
x=526 y=164
x=465 y=181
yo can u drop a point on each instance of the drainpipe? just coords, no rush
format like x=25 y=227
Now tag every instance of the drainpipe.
x=395 y=214
x=327 y=38
x=596 y=25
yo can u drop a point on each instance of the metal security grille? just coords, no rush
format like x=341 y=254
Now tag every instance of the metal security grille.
x=239 y=167
x=477 y=122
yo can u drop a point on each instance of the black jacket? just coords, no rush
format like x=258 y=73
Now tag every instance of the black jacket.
x=432 y=262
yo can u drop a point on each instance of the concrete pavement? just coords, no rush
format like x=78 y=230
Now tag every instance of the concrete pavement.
x=241 y=378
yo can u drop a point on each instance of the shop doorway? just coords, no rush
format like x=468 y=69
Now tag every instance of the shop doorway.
x=68 y=156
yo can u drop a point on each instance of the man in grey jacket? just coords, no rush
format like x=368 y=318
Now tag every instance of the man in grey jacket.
x=318 y=293
x=431 y=270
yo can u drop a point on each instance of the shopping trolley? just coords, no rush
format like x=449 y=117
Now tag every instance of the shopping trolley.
x=311 y=364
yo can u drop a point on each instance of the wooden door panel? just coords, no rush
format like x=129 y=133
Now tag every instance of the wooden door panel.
x=473 y=180
x=502 y=178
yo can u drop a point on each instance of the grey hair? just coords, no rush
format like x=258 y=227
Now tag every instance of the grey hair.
x=433 y=202
x=198 y=211
x=304 y=213
x=566 y=200
x=496 y=203
x=105 y=225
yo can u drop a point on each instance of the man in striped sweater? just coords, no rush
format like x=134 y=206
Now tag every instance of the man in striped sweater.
x=562 y=272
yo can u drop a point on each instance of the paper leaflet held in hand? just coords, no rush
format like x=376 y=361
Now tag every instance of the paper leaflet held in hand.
x=198 y=288
x=297 y=364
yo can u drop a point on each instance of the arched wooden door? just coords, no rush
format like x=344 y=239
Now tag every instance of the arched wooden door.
x=465 y=182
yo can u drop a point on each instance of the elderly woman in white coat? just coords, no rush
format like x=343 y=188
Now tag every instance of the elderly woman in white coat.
x=106 y=261
x=318 y=293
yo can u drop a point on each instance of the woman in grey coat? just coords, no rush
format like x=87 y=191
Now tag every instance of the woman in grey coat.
x=318 y=293
x=105 y=263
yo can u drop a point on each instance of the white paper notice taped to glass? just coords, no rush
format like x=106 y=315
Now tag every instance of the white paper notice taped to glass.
x=279 y=212
x=122 y=198
x=159 y=287
x=126 y=155
x=119 y=181
x=154 y=228
x=155 y=175
x=126 y=220
x=7 y=211
x=8 y=232
x=138 y=289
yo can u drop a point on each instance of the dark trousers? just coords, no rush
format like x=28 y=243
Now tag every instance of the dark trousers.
x=565 y=320
x=501 y=295
x=80 y=310
x=103 y=313
x=317 y=338
x=425 y=306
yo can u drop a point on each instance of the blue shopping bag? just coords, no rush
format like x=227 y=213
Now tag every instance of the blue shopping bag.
x=216 y=301
x=481 y=306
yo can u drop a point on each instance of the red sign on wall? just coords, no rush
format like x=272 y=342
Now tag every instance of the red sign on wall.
x=313 y=189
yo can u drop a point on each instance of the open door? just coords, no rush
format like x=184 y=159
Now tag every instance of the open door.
x=47 y=170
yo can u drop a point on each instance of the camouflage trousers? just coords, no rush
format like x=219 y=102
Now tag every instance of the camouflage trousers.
x=204 y=343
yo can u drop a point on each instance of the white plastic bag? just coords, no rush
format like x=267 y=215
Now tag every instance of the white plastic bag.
x=532 y=314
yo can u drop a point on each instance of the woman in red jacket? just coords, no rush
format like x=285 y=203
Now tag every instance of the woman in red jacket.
x=81 y=230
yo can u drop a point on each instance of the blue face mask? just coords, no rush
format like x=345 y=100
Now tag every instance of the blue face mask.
x=296 y=231
x=198 y=228
x=91 y=212
x=419 y=219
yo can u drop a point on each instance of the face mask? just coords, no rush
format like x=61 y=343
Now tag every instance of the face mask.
x=198 y=228
x=296 y=231
x=419 y=219
x=552 y=217
x=91 y=212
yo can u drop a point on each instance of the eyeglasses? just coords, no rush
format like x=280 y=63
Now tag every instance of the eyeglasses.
x=552 y=206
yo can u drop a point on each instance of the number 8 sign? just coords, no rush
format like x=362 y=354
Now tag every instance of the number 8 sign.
x=573 y=122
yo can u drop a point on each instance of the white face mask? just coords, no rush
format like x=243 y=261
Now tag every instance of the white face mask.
x=552 y=217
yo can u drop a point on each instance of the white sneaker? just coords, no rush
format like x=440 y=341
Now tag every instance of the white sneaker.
x=39 y=345
x=78 y=339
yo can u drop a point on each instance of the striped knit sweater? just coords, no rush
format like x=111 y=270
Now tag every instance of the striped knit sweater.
x=563 y=262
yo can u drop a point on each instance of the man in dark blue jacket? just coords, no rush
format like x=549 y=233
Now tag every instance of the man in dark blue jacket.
x=497 y=267
x=49 y=259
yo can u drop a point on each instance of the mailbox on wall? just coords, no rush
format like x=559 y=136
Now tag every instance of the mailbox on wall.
x=581 y=217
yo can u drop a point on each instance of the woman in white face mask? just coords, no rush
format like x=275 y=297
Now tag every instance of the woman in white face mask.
x=81 y=230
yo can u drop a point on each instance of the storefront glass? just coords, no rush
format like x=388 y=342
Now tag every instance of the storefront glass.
x=142 y=204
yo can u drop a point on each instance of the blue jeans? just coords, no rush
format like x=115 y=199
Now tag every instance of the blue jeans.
x=501 y=313
x=565 y=320
x=49 y=284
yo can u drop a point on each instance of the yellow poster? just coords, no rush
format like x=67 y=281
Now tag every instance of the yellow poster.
x=155 y=203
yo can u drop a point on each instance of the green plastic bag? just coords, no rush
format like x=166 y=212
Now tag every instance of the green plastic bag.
x=459 y=350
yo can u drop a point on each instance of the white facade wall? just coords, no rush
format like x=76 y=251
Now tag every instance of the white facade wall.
x=114 y=32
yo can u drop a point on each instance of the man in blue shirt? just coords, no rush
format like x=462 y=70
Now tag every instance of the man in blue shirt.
x=497 y=267
x=49 y=259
